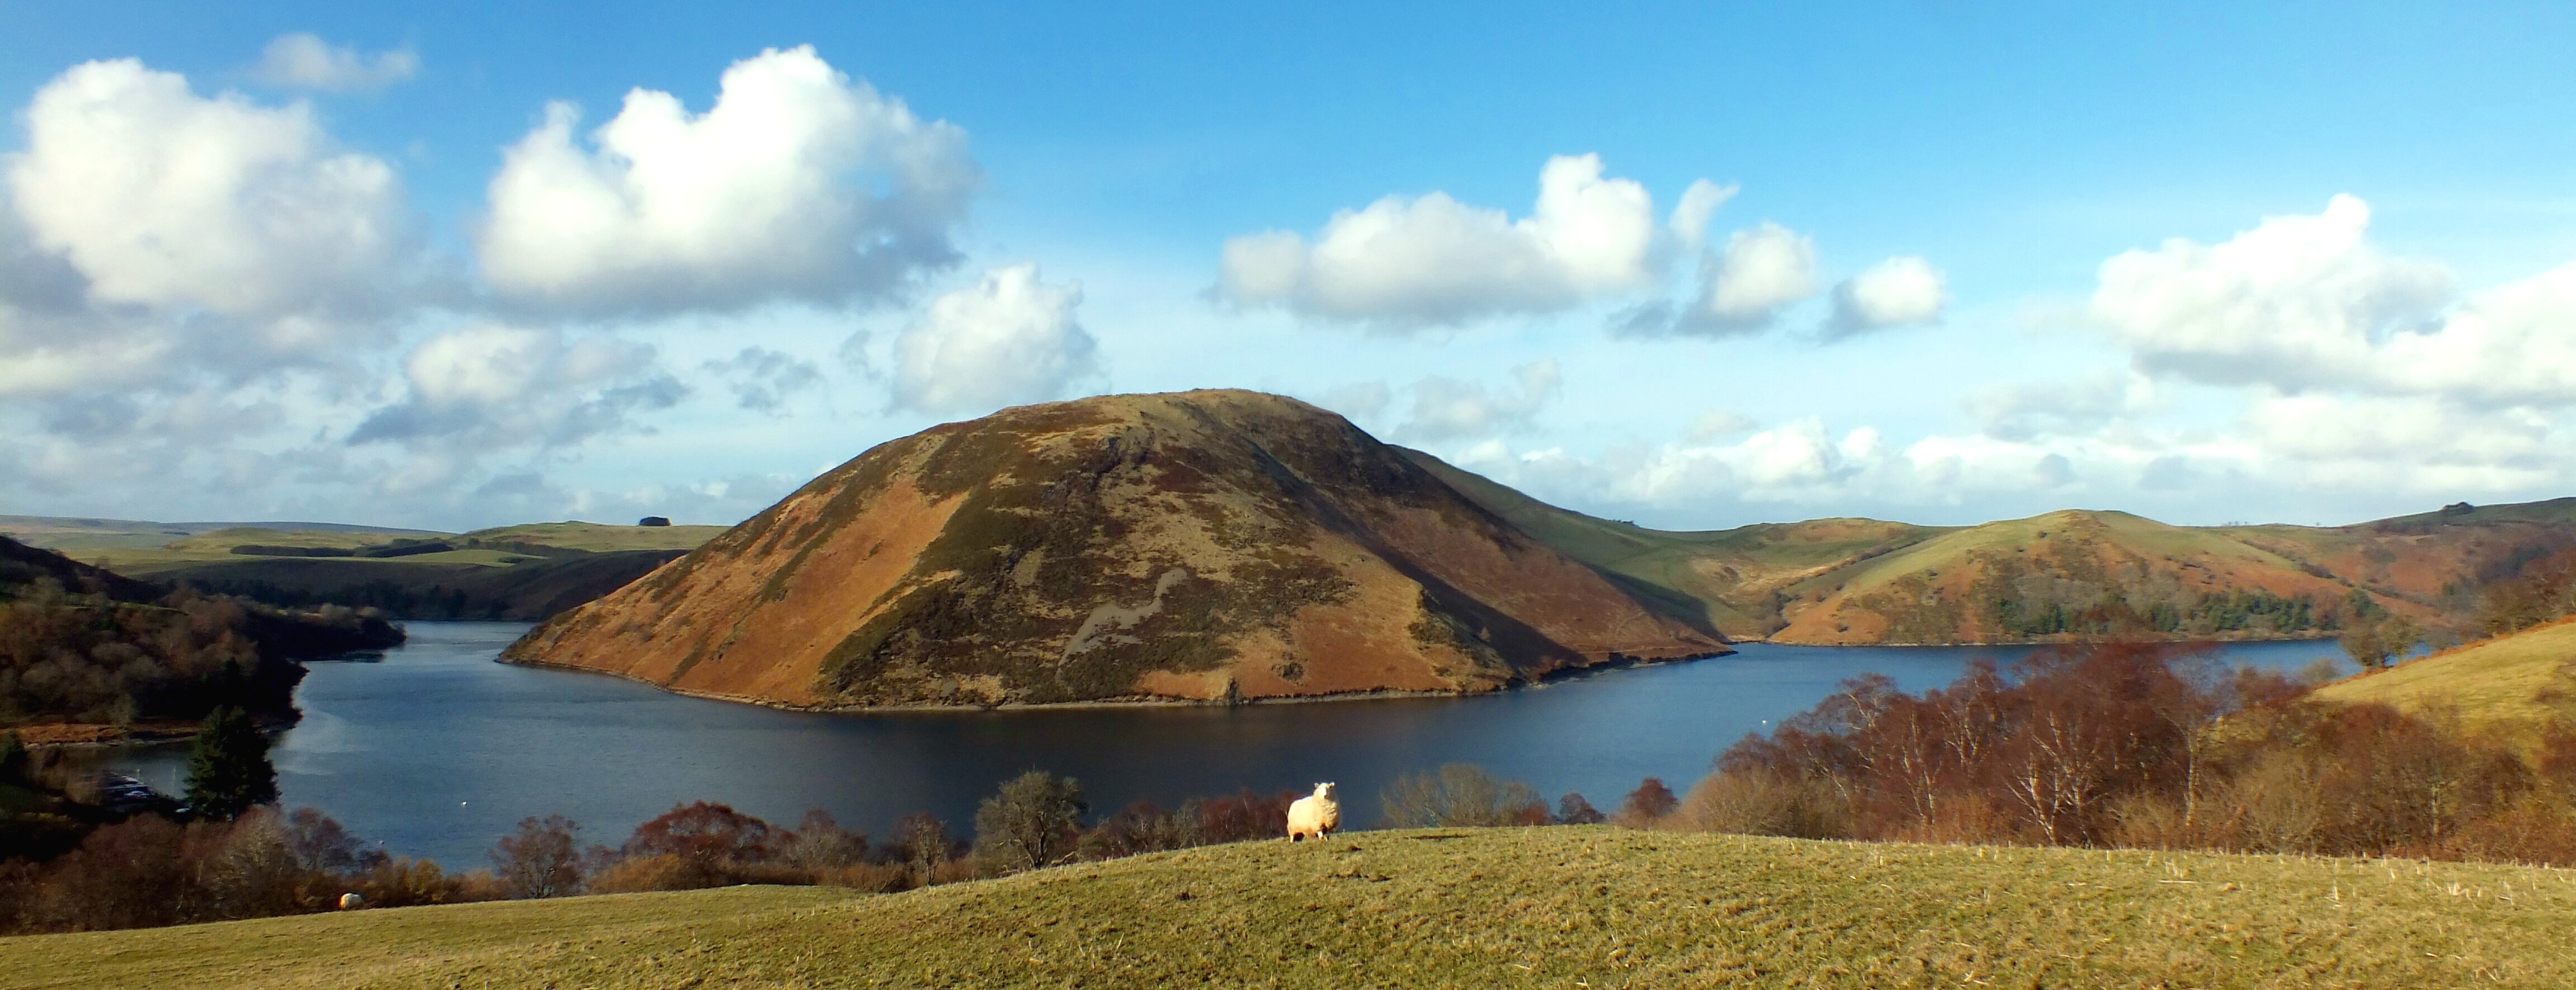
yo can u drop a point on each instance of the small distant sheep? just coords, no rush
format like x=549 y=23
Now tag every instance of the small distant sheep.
x=351 y=901
x=1315 y=815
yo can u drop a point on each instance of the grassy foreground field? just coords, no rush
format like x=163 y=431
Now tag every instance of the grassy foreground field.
x=1561 y=907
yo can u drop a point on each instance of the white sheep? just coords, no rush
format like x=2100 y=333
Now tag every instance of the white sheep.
x=1316 y=815
x=351 y=901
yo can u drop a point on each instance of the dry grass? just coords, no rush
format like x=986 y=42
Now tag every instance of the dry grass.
x=598 y=538
x=1593 y=906
x=2508 y=687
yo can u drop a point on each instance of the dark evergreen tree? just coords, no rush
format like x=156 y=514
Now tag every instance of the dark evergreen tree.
x=228 y=768
x=13 y=758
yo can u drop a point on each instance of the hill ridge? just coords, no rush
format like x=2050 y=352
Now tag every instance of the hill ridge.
x=1211 y=545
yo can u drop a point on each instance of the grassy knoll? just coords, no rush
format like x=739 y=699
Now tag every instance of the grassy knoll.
x=1573 y=906
x=2509 y=687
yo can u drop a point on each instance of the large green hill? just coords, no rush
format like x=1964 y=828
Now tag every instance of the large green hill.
x=1547 y=907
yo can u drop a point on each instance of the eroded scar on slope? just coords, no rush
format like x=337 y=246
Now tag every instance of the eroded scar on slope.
x=1099 y=627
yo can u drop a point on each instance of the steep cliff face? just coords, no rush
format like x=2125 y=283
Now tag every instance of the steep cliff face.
x=1200 y=545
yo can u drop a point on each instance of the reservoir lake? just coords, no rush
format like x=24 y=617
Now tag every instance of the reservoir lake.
x=436 y=751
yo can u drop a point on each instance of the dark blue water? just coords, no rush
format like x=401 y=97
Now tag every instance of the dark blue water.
x=437 y=750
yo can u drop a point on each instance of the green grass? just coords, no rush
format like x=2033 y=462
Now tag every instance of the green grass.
x=599 y=538
x=2508 y=687
x=1556 y=907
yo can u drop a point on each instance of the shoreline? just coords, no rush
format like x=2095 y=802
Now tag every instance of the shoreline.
x=1149 y=701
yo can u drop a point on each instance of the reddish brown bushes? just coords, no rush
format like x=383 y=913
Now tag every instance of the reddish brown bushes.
x=2124 y=744
x=153 y=871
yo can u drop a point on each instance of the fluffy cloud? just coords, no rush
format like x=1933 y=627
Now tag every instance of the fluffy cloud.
x=768 y=195
x=160 y=197
x=1698 y=204
x=2074 y=407
x=1902 y=291
x=1432 y=260
x=2305 y=302
x=2297 y=301
x=302 y=61
x=763 y=380
x=1364 y=400
x=1764 y=269
x=1008 y=338
x=489 y=386
x=1448 y=409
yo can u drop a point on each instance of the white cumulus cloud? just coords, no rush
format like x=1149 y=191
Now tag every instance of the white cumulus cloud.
x=1448 y=408
x=161 y=197
x=1764 y=269
x=1008 y=338
x=480 y=388
x=1432 y=260
x=1901 y=291
x=799 y=183
x=1698 y=204
x=303 y=61
x=2300 y=303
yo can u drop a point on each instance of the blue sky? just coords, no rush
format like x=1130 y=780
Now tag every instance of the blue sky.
x=1908 y=306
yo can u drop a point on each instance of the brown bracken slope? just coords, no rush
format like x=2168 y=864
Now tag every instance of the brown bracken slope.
x=1211 y=545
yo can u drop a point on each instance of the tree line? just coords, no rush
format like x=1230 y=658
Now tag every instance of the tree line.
x=2142 y=746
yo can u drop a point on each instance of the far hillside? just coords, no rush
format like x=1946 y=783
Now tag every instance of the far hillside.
x=2058 y=576
x=524 y=572
x=87 y=654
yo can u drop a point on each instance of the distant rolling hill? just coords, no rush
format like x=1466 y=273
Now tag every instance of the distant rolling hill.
x=2053 y=576
x=524 y=572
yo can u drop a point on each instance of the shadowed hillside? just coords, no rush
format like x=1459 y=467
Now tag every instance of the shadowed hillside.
x=1201 y=545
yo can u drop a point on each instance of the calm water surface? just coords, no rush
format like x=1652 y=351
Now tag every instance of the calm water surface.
x=436 y=751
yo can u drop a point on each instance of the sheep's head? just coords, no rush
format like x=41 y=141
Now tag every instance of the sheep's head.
x=1324 y=790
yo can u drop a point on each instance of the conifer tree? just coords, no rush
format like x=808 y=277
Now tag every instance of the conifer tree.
x=228 y=768
x=13 y=758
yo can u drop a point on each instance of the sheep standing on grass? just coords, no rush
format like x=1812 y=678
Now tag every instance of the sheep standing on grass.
x=1316 y=815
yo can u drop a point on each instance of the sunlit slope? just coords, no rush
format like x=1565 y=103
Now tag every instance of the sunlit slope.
x=595 y=537
x=2509 y=686
x=1555 y=907
x=1214 y=545
x=1731 y=577
x=2070 y=573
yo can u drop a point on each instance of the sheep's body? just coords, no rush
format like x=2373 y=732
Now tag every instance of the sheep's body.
x=1315 y=815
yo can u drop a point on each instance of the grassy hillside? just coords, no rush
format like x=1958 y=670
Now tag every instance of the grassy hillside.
x=1733 y=578
x=595 y=537
x=2025 y=580
x=513 y=572
x=2509 y=686
x=1587 y=906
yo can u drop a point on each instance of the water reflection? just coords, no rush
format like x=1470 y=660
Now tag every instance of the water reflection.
x=437 y=751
